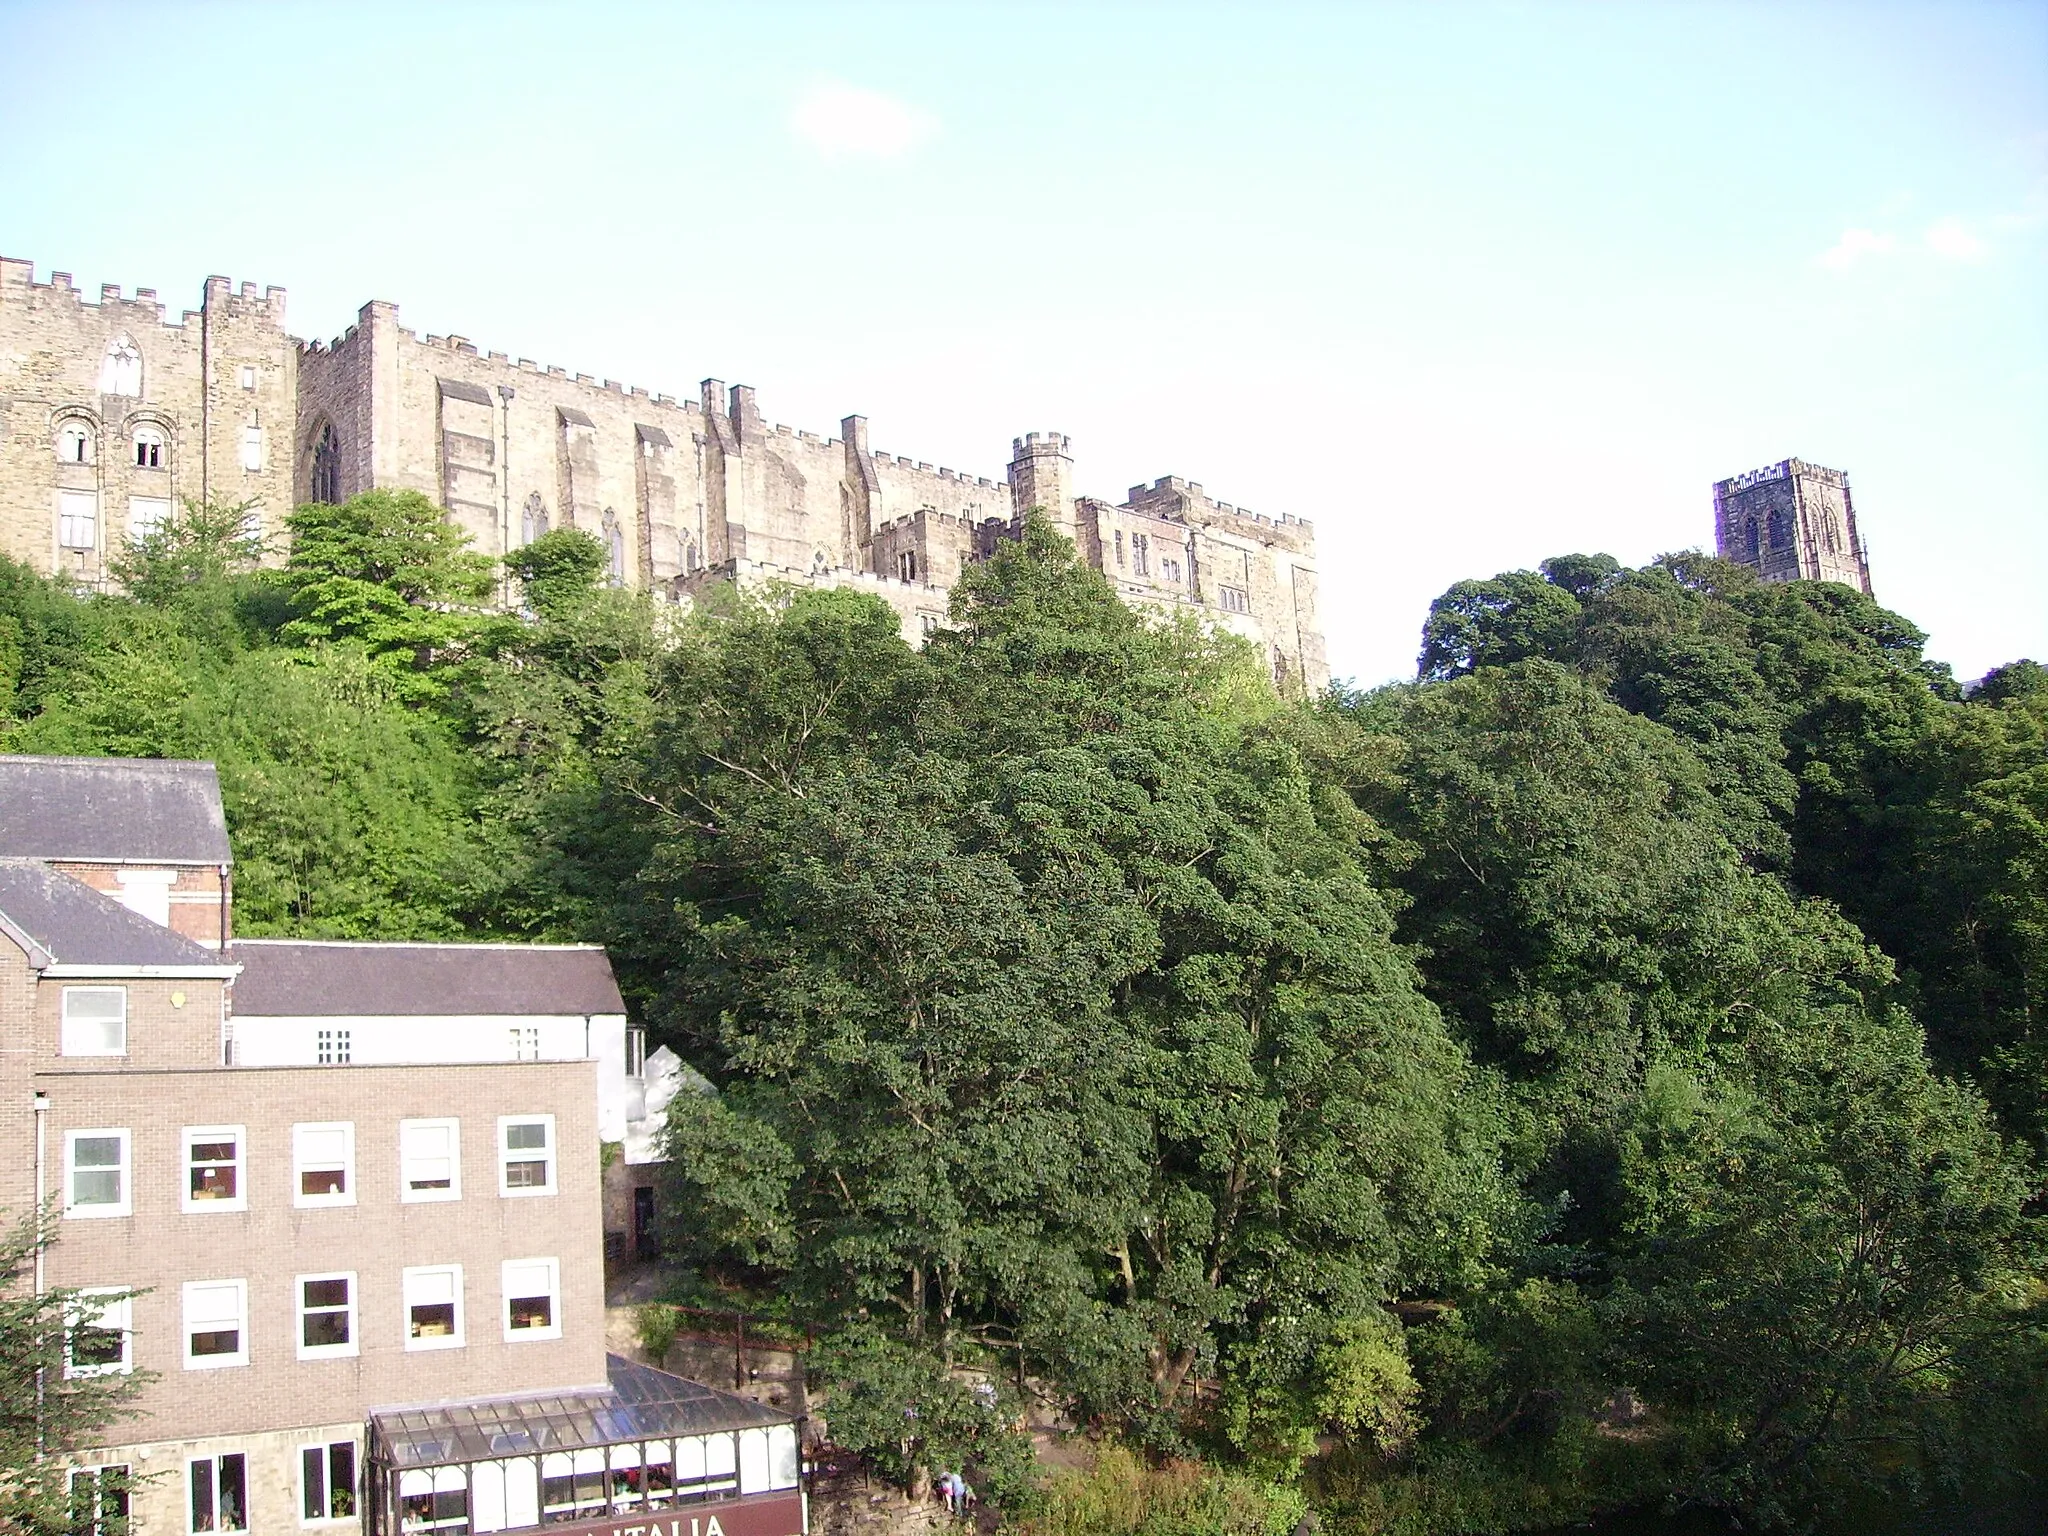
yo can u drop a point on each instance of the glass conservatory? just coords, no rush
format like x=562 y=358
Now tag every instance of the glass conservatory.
x=652 y=1455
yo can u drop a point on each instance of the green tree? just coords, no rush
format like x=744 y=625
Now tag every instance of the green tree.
x=46 y=1411
x=386 y=571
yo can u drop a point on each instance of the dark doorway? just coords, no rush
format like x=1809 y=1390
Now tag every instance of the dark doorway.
x=644 y=1245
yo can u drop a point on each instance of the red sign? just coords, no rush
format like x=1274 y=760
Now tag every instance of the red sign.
x=761 y=1514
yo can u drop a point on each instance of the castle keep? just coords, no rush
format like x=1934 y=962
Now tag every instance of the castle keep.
x=1791 y=521
x=110 y=412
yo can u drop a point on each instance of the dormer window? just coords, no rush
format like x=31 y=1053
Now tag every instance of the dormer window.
x=74 y=442
x=149 y=448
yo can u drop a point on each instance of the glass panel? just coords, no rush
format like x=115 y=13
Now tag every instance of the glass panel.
x=532 y=1312
x=233 y=1498
x=434 y=1319
x=217 y=1341
x=341 y=1479
x=313 y=1482
x=213 y=1170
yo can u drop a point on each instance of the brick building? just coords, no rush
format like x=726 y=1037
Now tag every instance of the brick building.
x=107 y=411
x=344 y=1200
x=1791 y=521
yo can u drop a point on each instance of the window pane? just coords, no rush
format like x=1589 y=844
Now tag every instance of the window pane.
x=532 y=1312
x=341 y=1479
x=526 y=1136
x=313 y=1480
x=233 y=1498
x=96 y=1344
x=327 y=1293
x=526 y=1175
x=432 y=1320
x=326 y=1330
x=96 y=1152
x=92 y=1188
x=201 y=1475
x=218 y=1341
x=323 y=1181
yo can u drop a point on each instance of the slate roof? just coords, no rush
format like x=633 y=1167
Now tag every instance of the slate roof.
x=70 y=923
x=302 y=978
x=139 y=809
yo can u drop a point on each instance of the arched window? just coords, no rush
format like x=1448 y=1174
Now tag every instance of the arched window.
x=1780 y=530
x=121 y=372
x=1755 y=539
x=74 y=441
x=326 y=486
x=149 y=448
x=533 y=520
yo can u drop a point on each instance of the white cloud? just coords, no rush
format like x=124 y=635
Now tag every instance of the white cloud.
x=844 y=122
x=1948 y=238
x=1854 y=245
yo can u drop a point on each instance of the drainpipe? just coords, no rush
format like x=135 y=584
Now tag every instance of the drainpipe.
x=42 y=1103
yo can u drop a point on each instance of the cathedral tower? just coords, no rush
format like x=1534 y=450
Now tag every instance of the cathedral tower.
x=1791 y=521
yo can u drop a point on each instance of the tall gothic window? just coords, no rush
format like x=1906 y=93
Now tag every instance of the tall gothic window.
x=533 y=521
x=121 y=370
x=326 y=486
x=1756 y=553
x=1781 y=530
x=615 y=544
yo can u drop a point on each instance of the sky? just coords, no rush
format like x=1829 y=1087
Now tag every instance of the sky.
x=1465 y=284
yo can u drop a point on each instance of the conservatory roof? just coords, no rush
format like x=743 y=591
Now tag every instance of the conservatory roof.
x=640 y=1403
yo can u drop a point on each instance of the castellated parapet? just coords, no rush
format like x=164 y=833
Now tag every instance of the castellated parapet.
x=1791 y=521
x=682 y=491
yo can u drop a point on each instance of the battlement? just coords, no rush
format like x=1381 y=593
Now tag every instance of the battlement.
x=918 y=466
x=1035 y=444
x=1172 y=490
x=19 y=275
x=1784 y=469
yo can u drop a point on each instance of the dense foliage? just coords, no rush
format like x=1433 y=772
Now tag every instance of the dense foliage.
x=1604 y=1074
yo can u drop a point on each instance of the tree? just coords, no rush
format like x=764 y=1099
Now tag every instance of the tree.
x=1055 y=980
x=385 y=571
x=47 y=1411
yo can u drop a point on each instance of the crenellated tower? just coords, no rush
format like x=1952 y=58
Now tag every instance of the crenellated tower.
x=1791 y=521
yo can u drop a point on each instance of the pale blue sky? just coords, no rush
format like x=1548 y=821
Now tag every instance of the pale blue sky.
x=1466 y=284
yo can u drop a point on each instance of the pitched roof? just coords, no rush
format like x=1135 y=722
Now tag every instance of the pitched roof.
x=69 y=923
x=302 y=978
x=139 y=809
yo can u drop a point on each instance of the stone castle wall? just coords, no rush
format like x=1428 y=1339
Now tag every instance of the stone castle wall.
x=202 y=384
x=682 y=491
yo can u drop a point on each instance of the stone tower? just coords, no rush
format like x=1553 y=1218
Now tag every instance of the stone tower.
x=1791 y=521
x=1042 y=475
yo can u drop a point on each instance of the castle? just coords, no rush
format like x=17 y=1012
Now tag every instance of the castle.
x=1791 y=521
x=110 y=413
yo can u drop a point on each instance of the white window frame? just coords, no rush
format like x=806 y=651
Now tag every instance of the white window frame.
x=240 y=1355
x=78 y=529
x=508 y=1156
x=304 y=1162
x=248 y=376
x=252 y=449
x=525 y=1039
x=325 y=1451
x=67 y=1045
x=116 y=1314
x=416 y=1274
x=406 y=1159
x=212 y=1464
x=196 y=1135
x=300 y=1311
x=553 y=1267
x=124 y=1170
x=146 y=514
